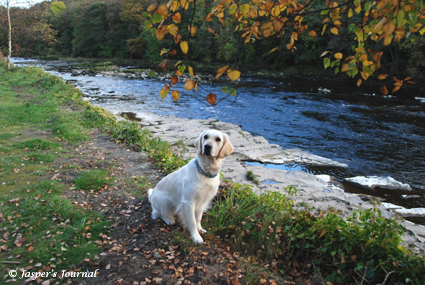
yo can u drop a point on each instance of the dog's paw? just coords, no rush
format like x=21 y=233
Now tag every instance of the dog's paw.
x=202 y=231
x=197 y=239
x=169 y=221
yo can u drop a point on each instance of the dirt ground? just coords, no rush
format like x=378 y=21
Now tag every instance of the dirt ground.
x=139 y=250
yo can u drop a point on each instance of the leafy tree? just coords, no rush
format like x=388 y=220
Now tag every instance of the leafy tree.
x=360 y=31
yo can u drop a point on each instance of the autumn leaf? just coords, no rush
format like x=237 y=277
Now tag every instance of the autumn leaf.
x=174 y=80
x=184 y=47
x=31 y=248
x=212 y=99
x=312 y=33
x=177 y=38
x=189 y=85
x=163 y=11
x=192 y=30
x=359 y=82
x=338 y=56
x=175 y=95
x=184 y=4
x=344 y=67
x=233 y=74
x=190 y=70
x=277 y=24
x=211 y=30
x=384 y=90
x=179 y=73
x=377 y=58
x=164 y=93
x=395 y=89
x=334 y=30
x=160 y=33
x=151 y=8
x=173 y=52
x=164 y=64
x=177 y=17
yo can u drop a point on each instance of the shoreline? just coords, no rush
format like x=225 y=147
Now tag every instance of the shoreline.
x=322 y=192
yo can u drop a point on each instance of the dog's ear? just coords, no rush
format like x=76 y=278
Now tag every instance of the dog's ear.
x=227 y=147
x=198 y=143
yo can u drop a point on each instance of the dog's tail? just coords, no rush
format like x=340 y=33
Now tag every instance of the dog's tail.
x=150 y=194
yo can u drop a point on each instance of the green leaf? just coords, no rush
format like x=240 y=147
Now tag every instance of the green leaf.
x=224 y=89
x=232 y=92
x=157 y=18
x=182 y=68
x=327 y=62
x=147 y=22
x=324 y=12
x=145 y=14
x=152 y=73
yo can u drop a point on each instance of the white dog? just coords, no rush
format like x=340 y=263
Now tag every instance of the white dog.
x=189 y=190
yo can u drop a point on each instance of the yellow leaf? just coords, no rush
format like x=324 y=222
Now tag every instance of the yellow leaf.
x=184 y=4
x=267 y=33
x=358 y=9
x=191 y=70
x=364 y=75
x=387 y=40
x=184 y=47
x=179 y=72
x=192 y=30
x=212 y=31
x=218 y=75
x=164 y=93
x=174 y=5
x=338 y=56
x=233 y=74
x=222 y=69
x=267 y=25
x=334 y=30
x=395 y=89
x=177 y=17
x=189 y=85
x=175 y=95
x=151 y=8
x=359 y=82
x=322 y=233
x=350 y=13
x=382 y=76
x=312 y=33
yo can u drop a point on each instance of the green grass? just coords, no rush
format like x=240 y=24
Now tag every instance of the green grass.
x=38 y=223
x=92 y=179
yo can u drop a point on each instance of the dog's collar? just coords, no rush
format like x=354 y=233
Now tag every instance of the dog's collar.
x=201 y=171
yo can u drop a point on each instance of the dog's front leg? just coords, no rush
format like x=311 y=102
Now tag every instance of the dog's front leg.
x=189 y=212
x=198 y=215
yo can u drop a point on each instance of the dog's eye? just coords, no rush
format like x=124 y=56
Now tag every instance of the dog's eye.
x=217 y=139
x=206 y=137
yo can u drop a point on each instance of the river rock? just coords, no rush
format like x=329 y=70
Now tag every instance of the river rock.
x=377 y=181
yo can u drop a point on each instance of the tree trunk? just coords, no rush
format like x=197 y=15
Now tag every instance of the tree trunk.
x=9 y=35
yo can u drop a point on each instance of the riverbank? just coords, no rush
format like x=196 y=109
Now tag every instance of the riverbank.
x=50 y=136
x=254 y=153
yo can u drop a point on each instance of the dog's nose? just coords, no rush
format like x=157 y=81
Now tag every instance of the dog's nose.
x=207 y=149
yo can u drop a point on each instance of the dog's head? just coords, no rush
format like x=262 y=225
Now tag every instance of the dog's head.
x=213 y=143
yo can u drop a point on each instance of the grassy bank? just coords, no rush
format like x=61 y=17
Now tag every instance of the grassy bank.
x=44 y=124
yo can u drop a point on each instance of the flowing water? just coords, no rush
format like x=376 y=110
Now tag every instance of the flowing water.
x=374 y=135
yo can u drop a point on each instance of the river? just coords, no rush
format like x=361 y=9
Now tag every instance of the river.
x=373 y=134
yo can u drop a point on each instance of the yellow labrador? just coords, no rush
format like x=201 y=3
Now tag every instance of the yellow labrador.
x=189 y=190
